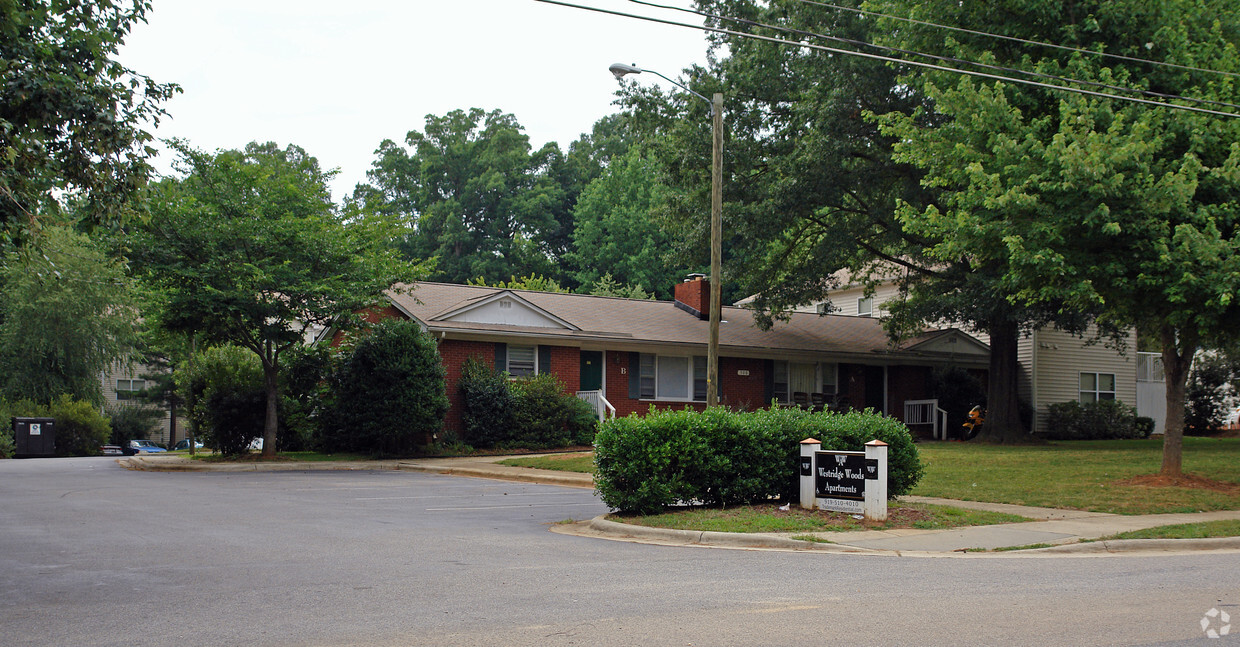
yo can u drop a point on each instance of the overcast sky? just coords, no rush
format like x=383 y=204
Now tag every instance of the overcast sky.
x=337 y=78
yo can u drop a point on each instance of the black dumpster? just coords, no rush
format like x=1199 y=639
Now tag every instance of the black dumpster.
x=34 y=437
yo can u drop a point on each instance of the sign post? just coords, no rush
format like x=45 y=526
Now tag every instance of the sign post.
x=809 y=447
x=876 y=481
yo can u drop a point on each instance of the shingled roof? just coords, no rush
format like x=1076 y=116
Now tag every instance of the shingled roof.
x=617 y=323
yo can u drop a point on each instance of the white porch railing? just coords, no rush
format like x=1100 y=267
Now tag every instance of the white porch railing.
x=926 y=412
x=601 y=406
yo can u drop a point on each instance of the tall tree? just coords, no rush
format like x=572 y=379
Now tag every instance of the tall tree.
x=619 y=231
x=475 y=196
x=71 y=117
x=813 y=185
x=1093 y=205
x=67 y=313
x=249 y=250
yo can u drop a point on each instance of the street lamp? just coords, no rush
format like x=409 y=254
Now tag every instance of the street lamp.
x=716 y=225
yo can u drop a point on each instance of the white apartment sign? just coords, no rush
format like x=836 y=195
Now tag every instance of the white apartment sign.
x=845 y=481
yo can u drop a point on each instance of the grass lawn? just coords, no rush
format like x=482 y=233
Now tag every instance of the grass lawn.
x=1085 y=475
x=574 y=462
x=769 y=518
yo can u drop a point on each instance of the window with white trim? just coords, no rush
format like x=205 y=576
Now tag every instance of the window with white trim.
x=865 y=307
x=672 y=377
x=803 y=377
x=1097 y=386
x=128 y=389
x=522 y=361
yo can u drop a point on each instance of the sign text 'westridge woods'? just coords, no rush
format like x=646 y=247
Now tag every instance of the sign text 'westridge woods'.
x=843 y=481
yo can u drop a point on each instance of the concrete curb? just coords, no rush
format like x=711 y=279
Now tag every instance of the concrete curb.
x=178 y=464
x=1135 y=547
x=616 y=529
x=1141 y=546
x=518 y=474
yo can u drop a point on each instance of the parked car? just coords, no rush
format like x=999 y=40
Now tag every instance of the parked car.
x=184 y=444
x=143 y=447
x=111 y=450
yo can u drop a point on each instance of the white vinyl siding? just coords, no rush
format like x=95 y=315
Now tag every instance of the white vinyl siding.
x=849 y=301
x=1060 y=359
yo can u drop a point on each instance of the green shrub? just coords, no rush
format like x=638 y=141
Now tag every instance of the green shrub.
x=1101 y=420
x=488 y=411
x=545 y=416
x=721 y=457
x=1145 y=426
x=304 y=394
x=80 y=427
x=1205 y=395
x=388 y=394
x=132 y=421
x=532 y=413
x=223 y=388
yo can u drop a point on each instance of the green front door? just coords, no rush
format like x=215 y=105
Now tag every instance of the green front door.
x=591 y=370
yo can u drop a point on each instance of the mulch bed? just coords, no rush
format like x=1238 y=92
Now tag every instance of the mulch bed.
x=1185 y=481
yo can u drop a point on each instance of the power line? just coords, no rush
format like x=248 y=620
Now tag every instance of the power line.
x=946 y=59
x=845 y=52
x=1014 y=39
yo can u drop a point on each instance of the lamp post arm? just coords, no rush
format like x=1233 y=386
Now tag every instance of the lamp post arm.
x=682 y=87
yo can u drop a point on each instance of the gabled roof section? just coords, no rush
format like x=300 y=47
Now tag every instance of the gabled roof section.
x=503 y=308
x=947 y=342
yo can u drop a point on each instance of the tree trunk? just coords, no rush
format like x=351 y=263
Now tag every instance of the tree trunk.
x=271 y=383
x=1003 y=423
x=1177 y=356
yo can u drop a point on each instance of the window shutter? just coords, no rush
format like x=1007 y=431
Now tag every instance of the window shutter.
x=635 y=376
x=768 y=382
x=544 y=359
x=719 y=383
x=501 y=357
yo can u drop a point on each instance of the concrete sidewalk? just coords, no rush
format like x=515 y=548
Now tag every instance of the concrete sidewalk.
x=1062 y=530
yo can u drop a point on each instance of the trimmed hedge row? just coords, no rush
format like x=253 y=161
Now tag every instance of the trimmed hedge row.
x=722 y=457
x=1101 y=420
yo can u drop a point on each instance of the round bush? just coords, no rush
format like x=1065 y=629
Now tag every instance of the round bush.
x=388 y=393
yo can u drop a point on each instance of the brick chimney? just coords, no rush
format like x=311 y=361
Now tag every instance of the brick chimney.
x=693 y=296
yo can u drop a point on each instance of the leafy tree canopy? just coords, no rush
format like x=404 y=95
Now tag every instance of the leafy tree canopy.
x=249 y=249
x=67 y=312
x=619 y=228
x=537 y=283
x=1088 y=205
x=474 y=196
x=71 y=117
